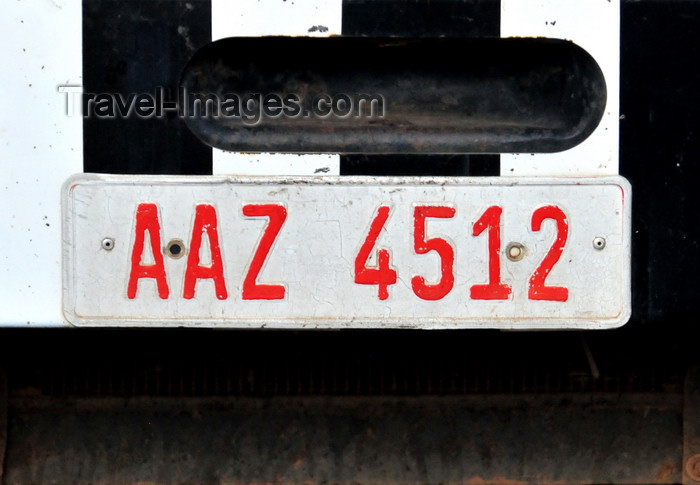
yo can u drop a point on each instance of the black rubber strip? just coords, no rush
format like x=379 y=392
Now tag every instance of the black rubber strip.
x=407 y=18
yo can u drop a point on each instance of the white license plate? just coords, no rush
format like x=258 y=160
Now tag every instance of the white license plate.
x=336 y=252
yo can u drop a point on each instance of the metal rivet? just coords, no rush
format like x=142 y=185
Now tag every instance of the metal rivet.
x=175 y=249
x=515 y=251
x=599 y=242
x=108 y=244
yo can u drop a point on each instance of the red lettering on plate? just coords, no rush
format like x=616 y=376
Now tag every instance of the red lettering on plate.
x=383 y=275
x=277 y=215
x=147 y=221
x=423 y=246
x=537 y=289
x=205 y=223
x=495 y=290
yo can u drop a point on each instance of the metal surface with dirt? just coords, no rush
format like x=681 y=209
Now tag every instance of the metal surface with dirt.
x=205 y=406
x=458 y=440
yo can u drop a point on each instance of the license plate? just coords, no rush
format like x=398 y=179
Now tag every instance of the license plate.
x=339 y=252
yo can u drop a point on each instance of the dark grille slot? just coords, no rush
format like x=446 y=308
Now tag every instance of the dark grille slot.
x=199 y=363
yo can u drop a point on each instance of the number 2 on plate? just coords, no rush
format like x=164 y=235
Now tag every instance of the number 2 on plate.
x=537 y=289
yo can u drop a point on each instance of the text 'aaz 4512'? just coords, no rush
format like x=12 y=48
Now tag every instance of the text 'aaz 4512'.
x=147 y=230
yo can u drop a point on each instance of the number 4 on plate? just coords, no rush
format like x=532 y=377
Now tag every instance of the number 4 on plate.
x=382 y=275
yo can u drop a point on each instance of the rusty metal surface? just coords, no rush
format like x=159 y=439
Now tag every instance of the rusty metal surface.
x=573 y=439
x=3 y=418
x=502 y=95
x=345 y=407
x=691 y=428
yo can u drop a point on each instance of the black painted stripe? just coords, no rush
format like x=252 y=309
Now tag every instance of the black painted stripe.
x=422 y=18
x=133 y=46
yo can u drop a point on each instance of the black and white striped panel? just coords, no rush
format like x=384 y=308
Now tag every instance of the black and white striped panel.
x=130 y=45
x=133 y=47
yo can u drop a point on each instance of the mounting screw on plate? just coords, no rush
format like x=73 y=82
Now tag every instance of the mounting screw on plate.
x=175 y=249
x=108 y=244
x=599 y=242
x=515 y=251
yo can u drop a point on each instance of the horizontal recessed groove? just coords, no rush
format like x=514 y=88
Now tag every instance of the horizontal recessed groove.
x=392 y=95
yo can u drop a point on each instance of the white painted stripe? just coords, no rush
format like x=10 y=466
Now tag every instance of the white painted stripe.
x=41 y=146
x=242 y=18
x=252 y=18
x=595 y=26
